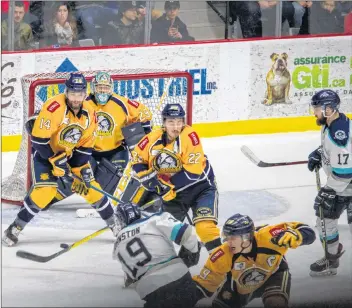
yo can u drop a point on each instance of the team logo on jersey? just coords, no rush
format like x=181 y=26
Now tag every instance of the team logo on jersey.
x=105 y=124
x=252 y=277
x=44 y=176
x=167 y=162
x=204 y=211
x=340 y=135
x=70 y=136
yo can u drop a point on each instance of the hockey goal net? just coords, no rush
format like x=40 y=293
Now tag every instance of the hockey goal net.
x=154 y=88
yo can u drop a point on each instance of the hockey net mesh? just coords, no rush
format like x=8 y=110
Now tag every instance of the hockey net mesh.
x=154 y=88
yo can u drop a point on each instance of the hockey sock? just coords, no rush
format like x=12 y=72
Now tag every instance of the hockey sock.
x=27 y=212
x=104 y=208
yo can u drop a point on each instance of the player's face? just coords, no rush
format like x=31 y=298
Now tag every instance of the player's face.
x=75 y=99
x=239 y=243
x=173 y=127
x=103 y=89
x=319 y=115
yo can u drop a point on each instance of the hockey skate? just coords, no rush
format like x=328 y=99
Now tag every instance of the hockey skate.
x=325 y=267
x=11 y=234
x=128 y=281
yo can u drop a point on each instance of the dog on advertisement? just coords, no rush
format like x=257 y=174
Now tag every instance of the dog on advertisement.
x=278 y=81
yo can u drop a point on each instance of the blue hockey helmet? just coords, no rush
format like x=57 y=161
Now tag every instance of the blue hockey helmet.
x=238 y=225
x=76 y=82
x=173 y=111
x=127 y=213
x=324 y=98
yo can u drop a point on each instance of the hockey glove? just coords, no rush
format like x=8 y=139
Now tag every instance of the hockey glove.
x=289 y=238
x=314 y=159
x=189 y=258
x=85 y=172
x=60 y=165
x=326 y=198
x=152 y=183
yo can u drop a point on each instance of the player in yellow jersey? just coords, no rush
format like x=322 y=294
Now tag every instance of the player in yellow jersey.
x=252 y=260
x=170 y=162
x=62 y=139
x=115 y=113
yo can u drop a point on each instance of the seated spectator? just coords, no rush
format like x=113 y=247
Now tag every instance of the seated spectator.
x=300 y=9
x=23 y=38
x=142 y=11
x=62 y=29
x=169 y=28
x=325 y=18
x=250 y=15
x=127 y=29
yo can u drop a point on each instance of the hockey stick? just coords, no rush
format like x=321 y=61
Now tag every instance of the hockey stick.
x=43 y=259
x=247 y=152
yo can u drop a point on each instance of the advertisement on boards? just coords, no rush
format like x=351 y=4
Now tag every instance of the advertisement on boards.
x=286 y=75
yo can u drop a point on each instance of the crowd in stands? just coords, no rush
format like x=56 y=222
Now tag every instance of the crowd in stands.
x=54 y=24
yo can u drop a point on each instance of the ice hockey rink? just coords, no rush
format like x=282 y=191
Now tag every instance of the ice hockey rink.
x=88 y=276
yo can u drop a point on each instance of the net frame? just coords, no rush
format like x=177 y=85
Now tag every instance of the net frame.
x=45 y=79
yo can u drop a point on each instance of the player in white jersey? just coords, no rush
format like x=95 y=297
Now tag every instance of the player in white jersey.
x=335 y=156
x=147 y=254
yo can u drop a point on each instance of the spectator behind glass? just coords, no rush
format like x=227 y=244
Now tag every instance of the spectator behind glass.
x=300 y=9
x=169 y=27
x=325 y=18
x=62 y=29
x=348 y=22
x=127 y=29
x=142 y=11
x=23 y=37
x=251 y=14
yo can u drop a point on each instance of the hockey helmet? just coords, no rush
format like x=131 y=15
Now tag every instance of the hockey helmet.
x=324 y=98
x=238 y=225
x=102 y=78
x=173 y=111
x=127 y=213
x=76 y=82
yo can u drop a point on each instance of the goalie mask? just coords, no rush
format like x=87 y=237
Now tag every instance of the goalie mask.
x=167 y=162
x=102 y=87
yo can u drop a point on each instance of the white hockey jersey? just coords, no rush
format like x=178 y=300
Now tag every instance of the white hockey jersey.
x=147 y=254
x=336 y=141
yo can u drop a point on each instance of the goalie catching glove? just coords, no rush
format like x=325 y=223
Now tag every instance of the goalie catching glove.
x=84 y=172
x=150 y=181
x=60 y=165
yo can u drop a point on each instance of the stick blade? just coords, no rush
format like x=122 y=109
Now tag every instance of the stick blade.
x=250 y=155
x=31 y=256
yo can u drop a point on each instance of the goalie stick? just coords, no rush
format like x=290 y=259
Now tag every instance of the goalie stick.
x=252 y=157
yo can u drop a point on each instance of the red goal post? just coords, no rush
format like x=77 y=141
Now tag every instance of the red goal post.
x=152 y=87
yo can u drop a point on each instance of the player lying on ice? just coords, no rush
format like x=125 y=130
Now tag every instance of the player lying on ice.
x=252 y=260
x=146 y=252
x=170 y=162
x=118 y=117
x=335 y=156
x=62 y=140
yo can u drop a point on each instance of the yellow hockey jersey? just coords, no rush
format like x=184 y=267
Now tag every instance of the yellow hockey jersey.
x=187 y=147
x=57 y=129
x=118 y=112
x=251 y=270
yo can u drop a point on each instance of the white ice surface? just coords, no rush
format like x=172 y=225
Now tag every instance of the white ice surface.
x=87 y=275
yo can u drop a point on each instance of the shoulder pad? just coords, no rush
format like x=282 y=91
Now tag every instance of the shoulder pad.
x=339 y=131
x=53 y=106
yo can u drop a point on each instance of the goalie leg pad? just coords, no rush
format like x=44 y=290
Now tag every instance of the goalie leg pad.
x=107 y=175
x=120 y=159
x=133 y=133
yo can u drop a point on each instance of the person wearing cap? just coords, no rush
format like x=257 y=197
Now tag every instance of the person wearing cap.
x=142 y=11
x=127 y=29
x=169 y=28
